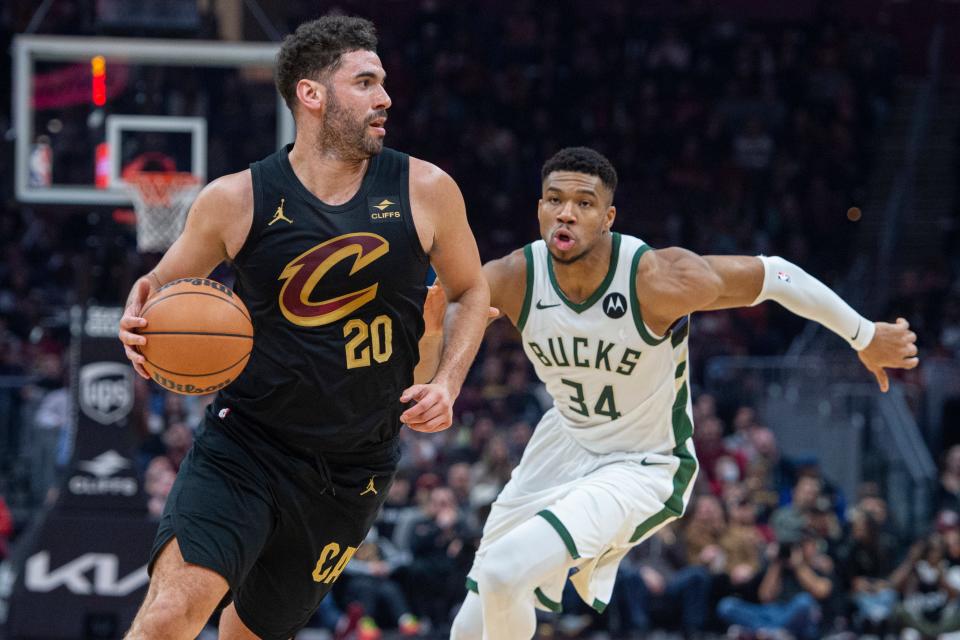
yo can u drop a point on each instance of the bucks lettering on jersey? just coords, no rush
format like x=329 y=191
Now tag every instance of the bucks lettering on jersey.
x=617 y=386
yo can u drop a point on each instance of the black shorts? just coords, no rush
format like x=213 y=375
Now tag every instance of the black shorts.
x=271 y=523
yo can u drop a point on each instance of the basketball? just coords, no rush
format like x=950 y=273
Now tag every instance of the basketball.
x=199 y=336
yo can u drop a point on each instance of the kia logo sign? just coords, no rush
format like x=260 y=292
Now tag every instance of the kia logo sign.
x=106 y=391
x=90 y=574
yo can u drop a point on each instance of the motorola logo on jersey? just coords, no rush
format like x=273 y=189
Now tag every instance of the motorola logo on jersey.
x=615 y=305
x=302 y=274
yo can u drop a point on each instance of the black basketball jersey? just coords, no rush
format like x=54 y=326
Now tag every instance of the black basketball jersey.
x=336 y=297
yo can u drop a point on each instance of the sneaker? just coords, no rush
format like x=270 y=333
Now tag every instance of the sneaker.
x=368 y=629
x=408 y=625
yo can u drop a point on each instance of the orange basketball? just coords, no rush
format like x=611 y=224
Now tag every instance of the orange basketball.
x=199 y=336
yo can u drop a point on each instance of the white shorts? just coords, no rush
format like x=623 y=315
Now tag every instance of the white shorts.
x=601 y=505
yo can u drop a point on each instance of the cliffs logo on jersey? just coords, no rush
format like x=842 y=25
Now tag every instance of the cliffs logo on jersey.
x=615 y=305
x=303 y=273
x=384 y=209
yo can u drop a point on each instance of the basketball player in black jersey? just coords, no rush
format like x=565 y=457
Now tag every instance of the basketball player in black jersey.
x=331 y=239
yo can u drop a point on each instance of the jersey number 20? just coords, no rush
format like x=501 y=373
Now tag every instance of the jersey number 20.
x=366 y=340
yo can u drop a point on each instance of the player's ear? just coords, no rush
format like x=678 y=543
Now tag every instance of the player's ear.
x=611 y=216
x=312 y=95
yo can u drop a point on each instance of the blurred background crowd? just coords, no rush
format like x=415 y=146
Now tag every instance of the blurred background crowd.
x=731 y=135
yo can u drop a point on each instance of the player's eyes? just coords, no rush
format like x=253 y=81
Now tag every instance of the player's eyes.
x=585 y=203
x=553 y=200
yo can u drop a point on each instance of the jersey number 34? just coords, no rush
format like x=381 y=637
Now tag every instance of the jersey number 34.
x=605 y=405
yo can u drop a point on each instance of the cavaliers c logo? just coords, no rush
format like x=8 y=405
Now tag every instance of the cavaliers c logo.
x=302 y=274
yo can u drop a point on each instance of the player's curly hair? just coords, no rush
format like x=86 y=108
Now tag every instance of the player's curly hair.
x=582 y=160
x=314 y=50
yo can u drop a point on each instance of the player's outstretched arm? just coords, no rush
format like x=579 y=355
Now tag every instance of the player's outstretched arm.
x=454 y=255
x=678 y=282
x=215 y=220
x=431 y=342
x=507 y=277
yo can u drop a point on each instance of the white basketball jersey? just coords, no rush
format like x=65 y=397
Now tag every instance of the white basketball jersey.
x=617 y=385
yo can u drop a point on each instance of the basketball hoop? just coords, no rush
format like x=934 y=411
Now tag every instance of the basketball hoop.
x=161 y=199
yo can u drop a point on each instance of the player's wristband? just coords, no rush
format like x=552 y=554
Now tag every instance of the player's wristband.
x=801 y=293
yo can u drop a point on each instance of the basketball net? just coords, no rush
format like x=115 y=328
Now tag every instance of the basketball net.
x=161 y=199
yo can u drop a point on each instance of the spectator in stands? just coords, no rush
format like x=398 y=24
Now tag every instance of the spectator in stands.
x=493 y=469
x=460 y=482
x=744 y=542
x=719 y=464
x=789 y=520
x=948 y=493
x=370 y=581
x=655 y=587
x=772 y=471
x=797 y=578
x=442 y=555
x=51 y=422
x=928 y=607
x=702 y=534
x=822 y=520
x=396 y=517
x=177 y=440
x=744 y=421
x=866 y=562
x=158 y=480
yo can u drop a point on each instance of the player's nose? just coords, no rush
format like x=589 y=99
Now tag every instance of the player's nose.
x=383 y=99
x=565 y=214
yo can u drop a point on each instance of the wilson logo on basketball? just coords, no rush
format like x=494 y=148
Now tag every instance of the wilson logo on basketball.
x=200 y=282
x=303 y=273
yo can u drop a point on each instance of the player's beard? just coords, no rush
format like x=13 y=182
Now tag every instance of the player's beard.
x=569 y=259
x=347 y=136
x=575 y=258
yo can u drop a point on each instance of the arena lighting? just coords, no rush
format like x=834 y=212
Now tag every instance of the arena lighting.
x=98 y=68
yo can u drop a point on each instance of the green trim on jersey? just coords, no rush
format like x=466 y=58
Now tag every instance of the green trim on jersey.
x=687 y=469
x=554 y=522
x=528 y=295
x=674 y=507
x=589 y=302
x=635 y=300
x=598 y=606
x=556 y=607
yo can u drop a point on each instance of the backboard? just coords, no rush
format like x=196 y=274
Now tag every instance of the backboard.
x=85 y=107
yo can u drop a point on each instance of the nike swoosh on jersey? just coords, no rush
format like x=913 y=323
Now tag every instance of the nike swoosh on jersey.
x=644 y=463
x=540 y=305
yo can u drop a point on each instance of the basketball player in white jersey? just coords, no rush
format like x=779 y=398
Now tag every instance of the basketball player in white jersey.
x=604 y=320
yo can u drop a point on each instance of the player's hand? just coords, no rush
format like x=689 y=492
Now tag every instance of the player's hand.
x=893 y=346
x=434 y=309
x=433 y=410
x=131 y=322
